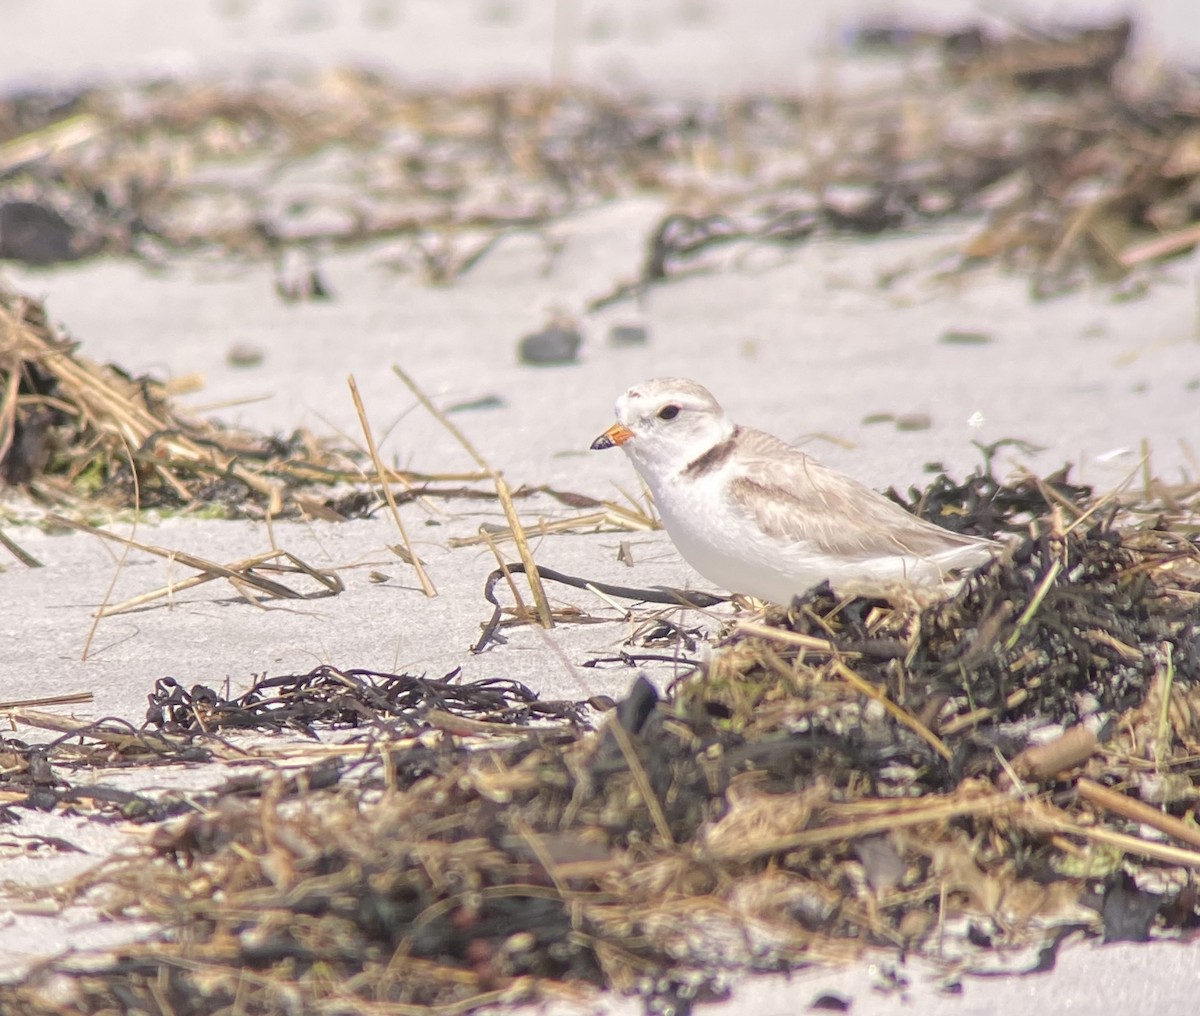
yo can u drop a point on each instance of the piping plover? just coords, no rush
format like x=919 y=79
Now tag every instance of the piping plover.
x=757 y=516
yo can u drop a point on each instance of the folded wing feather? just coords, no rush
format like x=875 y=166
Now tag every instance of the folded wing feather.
x=795 y=499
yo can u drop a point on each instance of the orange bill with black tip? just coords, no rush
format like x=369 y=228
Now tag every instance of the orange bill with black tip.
x=617 y=434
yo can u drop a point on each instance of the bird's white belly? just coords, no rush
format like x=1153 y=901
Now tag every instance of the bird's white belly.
x=728 y=549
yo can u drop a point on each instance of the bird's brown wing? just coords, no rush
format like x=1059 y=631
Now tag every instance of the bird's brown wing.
x=795 y=499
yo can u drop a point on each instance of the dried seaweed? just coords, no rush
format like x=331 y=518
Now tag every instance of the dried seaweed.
x=1060 y=629
x=333 y=698
x=72 y=431
x=839 y=777
x=1076 y=172
x=490 y=634
x=188 y=726
x=984 y=505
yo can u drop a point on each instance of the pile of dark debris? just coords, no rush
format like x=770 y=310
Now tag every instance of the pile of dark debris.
x=1077 y=164
x=968 y=781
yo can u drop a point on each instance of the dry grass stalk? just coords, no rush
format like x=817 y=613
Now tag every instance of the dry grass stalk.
x=1045 y=818
x=808 y=643
x=1160 y=247
x=1164 y=715
x=541 y=603
x=70 y=699
x=1032 y=608
x=1136 y=811
x=426 y=585
x=22 y=555
x=49 y=140
x=244 y=575
x=125 y=549
x=614 y=516
x=891 y=816
x=124 y=739
x=638 y=771
x=901 y=714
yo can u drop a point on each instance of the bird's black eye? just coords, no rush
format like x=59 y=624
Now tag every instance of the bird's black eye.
x=668 y=412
